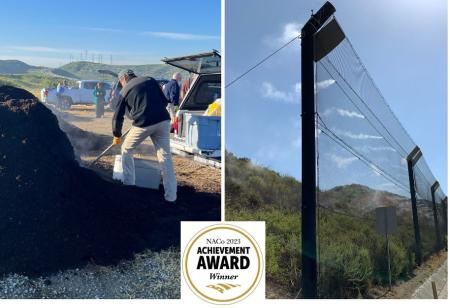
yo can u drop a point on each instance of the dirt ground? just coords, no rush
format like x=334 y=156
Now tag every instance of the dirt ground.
x=152 y=273
x=407 y=288
x=202 y=178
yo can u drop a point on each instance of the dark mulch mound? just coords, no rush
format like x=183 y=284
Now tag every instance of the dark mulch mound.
x=55 y=214
x=9 y=92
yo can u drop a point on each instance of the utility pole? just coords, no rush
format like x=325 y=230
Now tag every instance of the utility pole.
x=434 y=187
x=308 y=222
x=412 y=159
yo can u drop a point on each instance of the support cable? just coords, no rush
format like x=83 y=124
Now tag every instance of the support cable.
x=329 y=133
x=262 y=61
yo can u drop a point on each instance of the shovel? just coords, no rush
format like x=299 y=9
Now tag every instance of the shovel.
x=107 y=150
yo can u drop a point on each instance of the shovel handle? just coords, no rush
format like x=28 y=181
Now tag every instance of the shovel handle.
x=107 y=150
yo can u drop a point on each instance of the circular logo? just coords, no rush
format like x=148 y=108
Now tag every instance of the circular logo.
x=222 y=264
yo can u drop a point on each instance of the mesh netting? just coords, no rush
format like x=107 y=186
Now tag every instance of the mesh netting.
x=361 y=165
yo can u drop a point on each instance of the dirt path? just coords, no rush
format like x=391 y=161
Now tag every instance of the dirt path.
x=191 y=173
x=420 y=277
x=439 y=277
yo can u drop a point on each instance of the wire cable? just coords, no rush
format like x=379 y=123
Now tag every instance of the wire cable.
x=262 y=61
x=329 y=133
x=365 y=104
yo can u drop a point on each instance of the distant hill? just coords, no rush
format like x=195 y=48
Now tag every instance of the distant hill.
x=34 y=78
x=352 y=255
x=245 y=180
x=15 y=67
x=89 y=70
x=362 y=198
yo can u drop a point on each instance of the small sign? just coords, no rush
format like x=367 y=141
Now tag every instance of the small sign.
x=386 y=220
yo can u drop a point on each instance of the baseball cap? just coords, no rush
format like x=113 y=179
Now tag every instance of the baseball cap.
x=125 y=72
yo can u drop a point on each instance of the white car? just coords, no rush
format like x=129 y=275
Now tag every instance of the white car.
x=81 y=94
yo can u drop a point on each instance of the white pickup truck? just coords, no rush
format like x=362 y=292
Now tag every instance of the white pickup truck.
x=81 y=94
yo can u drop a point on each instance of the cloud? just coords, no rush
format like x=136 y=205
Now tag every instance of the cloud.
x=181 y=36
x=359 y=136
x=322 y=85
x=342 y=162
x=367 y=148
x=271 y=92
x=343 y=113
x=41 y=49
x=289 y=31
x=349 y=114
x=47 y=49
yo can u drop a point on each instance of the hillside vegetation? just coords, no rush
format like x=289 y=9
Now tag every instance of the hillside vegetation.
x=14 y=67
x=33 y=78
x=352 y=255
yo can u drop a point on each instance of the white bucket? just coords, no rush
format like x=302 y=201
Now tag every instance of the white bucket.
x=148 y=173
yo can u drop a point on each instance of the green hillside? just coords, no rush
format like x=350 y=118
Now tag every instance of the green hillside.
x=88 y=70
x=14 y=67
x=352 y=256
x=32 y=82
x=33 y=78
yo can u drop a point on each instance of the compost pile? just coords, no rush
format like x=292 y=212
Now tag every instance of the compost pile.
x=55 y=214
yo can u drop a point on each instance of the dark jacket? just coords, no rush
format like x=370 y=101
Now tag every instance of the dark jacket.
x=143 y=99
x=99 y=95
x=172 y=92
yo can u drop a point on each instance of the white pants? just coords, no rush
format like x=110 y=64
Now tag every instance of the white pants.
x=160 y=136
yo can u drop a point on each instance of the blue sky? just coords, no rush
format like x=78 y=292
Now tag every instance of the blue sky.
x=135 y=32
x=402 y=43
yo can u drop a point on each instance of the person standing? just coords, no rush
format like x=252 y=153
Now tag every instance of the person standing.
x=172 y=93
x=99 y=100
x=59 y=94
x=146 y=104
x=187 y=84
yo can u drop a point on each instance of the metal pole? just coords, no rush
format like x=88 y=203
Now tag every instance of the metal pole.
x=412 y=189
x=435 y=216
x=444 y=215
x=389 y=261
x=308 y=220
x=309 y=253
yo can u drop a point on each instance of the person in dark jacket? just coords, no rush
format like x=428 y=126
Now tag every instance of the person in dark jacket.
x=146 y=105
x=172 y=93
x=99 y=100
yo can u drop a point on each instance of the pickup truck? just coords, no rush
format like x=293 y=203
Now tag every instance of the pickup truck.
x=81 y=94
x=195 y=133
x=116 y=87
